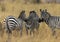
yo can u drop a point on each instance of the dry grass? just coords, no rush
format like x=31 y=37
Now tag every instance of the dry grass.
x=45 y=34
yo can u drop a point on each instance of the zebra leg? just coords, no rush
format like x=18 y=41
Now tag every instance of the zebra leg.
x=21 y=31
x=33 y=33
x=37 y=28
x=9 y=31
x=9 y=38
x=54 y=33
x=30 y=32
x=27 y=31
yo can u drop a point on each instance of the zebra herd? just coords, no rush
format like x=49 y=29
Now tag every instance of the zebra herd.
x=31 y=22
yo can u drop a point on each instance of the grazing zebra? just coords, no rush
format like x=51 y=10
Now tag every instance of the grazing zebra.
x=12 y=23
x=51 y=21
x=32 y=22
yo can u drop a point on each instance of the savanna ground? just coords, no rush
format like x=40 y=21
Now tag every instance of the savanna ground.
x=45 y=33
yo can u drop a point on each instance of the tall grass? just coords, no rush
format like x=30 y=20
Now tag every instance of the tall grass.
x=45 y=34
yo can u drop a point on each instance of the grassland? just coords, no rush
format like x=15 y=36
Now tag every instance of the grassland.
x=45 y=33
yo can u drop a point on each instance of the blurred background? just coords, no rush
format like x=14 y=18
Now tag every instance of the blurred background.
x=14 y=7
x=31 y=1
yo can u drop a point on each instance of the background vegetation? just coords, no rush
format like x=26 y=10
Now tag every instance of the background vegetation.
x=14 y=7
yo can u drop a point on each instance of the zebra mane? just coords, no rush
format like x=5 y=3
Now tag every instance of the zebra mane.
x=48 y=13
x=22 y=15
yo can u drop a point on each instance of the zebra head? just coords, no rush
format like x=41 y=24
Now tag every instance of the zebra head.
x=22 y=15
x=44 y=14
x=30 y=19
x=32 y=14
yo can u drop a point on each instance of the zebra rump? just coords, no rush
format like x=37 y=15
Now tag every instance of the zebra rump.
x=11 y=23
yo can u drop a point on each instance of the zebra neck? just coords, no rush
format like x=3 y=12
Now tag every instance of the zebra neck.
x=19 y=18
x=47 y=21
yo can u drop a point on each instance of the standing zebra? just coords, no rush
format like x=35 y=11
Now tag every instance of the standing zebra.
x=32 y=22
x=12 y=23
x=51 y=21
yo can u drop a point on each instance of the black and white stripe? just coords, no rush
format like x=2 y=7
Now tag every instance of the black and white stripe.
x=12 y=23
x=51 y=21
x=32 y=22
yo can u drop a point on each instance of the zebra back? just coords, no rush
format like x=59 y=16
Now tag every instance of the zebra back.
x=11 y=23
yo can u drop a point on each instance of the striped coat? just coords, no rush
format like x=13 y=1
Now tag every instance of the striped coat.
x=32 y=22
x=52 y=21
x=11 y=23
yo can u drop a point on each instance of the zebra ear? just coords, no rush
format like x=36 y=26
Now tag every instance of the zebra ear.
x=45 y=10
x=40 y=10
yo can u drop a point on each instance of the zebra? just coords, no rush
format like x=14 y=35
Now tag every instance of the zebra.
x=52 y=21
x=12 y=23
x=32 y=22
